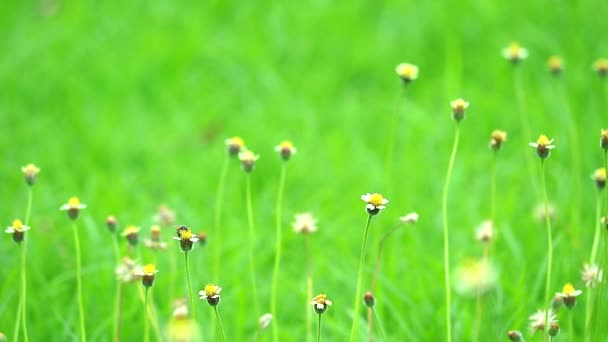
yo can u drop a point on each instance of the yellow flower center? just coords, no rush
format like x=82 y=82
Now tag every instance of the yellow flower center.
x=247 y=156
x=131 y=230
x=286 y=145
x=74 y=202
x=30 y=169
x=17 y=225
x=320 y=299
x=149 y=269
x=568 y=289
x=604 y=133
x=376 y=200
x=543 y=140
x=408 y=71
x=155 y=229
x=185 y=234
x=210 y=290
x=514 y=49
x=600 y=174
x=238 y=141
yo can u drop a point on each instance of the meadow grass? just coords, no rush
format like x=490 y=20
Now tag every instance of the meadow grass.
x=128 y=106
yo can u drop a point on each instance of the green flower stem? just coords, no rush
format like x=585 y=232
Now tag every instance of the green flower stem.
x=549 y=238
x=571 y=326
x=118 y=295
x=601 y=286
x=353 y=331
x=277 y=258
x=446 y=245
x=83 y=333
x=308 y=288
x=493 y=188
x=219 y=323
x=379 y=324
x=150 y=314
x=19 y=309
x=217 y=215
x=379 y=255
x=190 y=294
x=146 y=319
x=252 y=246
x=594 y=249
x=23 y=309
x=319 y=329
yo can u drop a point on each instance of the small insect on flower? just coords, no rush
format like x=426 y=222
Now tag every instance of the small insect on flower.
x=320 y=303
x=604 y=139
x=235 y=146
x=485 y=231
x=147 y=275
x=211 y=293
x=248 y=160
x=497 y=138
x=543 y=146
x=186 y=238
x=265 y=320
x=538 y=322
x=407 y=72
x=591 y=275
x=555 y=65
x=132 y=234
x=601 y=66
x=305 y=223
x=458 y=108
x=410 y=218
x=375 y=203
x=515 y=53
x=17 y=229
x=599 y=176
x=30 y=171
x=73 y=207
x=285 y=149
x=569 y=294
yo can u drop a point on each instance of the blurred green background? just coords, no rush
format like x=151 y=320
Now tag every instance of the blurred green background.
x=127 y=104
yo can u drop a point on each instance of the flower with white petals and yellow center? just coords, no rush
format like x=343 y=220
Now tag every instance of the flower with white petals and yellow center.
x=458 y=108
x=591 y=275
x=601 y=66
x=286 y=149
x=30 y=171
x=604 y=139
x=538 y=320
x=375 y=203
x=407 y=72
x=497 y=138
x=248 y=160
x=485 y=231
x=73 y=207
x=410 y=218
x=599 y=176
x=132 y=234
x=147 y=274
x=186 y=238
x=211 y=293
x=515 y=53
x=305 y=224
x=235 y=145
x=569 y=294
x=555 y=64
x=17 y=229
x=543 y=146
x=320 y=303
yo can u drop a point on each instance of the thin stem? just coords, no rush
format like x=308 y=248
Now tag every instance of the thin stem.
x=598 y=226
x=251 y=245
x=571 y=326
x=446 y=250
x=146 y=319
x=601 y=286
x=23 y=300
x=219 y=323
x=549 y=238
x=190 y=289
x=358 y=299
x=151 y=314
x=319 y=329
x=19 y=307
x=83 y=333
x=379 y=255
x=370 y=326
x=277 y=258
x=493 y=188
x=118 y=296
x=217 y=215
x=379 y=324
x=308 y=288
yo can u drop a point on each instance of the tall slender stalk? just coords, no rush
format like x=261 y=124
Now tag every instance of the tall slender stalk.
x=83 y=334
x=219 y=323
x=493 y=188
x=319 y=329
x=446 y=250
x=308 y=288
x=353 y=331
x=217 y=215
x=277 y=258
x=118 y=294
x=146 y=319
x=150 y=314
x=379 y=324
x=28 y=211
x=190 y=293
x=549 y=238
x=251 y=246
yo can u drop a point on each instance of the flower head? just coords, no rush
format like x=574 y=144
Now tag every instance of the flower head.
x=497 y=138
x=553 y=329
x=538 y=320
x=186 y=238
x=235 y=145
x=165 y=217
x=111 y=223
x=202 y=238
x=248 y=160
x=410 y=218
x=154 y=242
x=286 y=149
x=132 y=234
x=475 y=277
x=369 y=299
x=73 y=207
x=128 y=271
x=147 y=274
x=569 y=294
x=540 y=213
x=555 y=65
x=211 y=293
x=17 y=229
x=305 y=223
x=515 y=53
x=515 y=336
x=600 y=178
x=591 y=275
x=485 y=231
x=458 y=108
x=375 y=203
x=265 y=320
x=407 y=72
x=601 y=66
x=30 y=171
x=604 y=139
x=320 y=303
x=543 y=146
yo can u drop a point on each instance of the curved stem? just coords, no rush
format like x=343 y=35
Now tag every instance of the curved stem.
x=219 y=323
x=192 y=308
x=277 y=258
x=493 y=189
x=379 y=324
x=319 y=329
x=254 y=287
x=446 y=248
x=217 y=215
x=598 y=226
x=358 y=299
x=28 y=211
x=379 y=256
x=146 y=319
x=118 y=295
x=19 y=306
x=549 y=238
x=308 y=288
x=83 y=334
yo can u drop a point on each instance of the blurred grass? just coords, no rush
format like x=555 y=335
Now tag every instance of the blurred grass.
x=126 y=105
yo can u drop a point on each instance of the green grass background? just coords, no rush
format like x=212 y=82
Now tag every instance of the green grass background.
x=127 y=104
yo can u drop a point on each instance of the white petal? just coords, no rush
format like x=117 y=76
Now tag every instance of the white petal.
x=535 y=145
x=278 y=148
x=384 y=201
x=366 y=197
x=64 y=207
x=370 y=207
x=9 y=230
